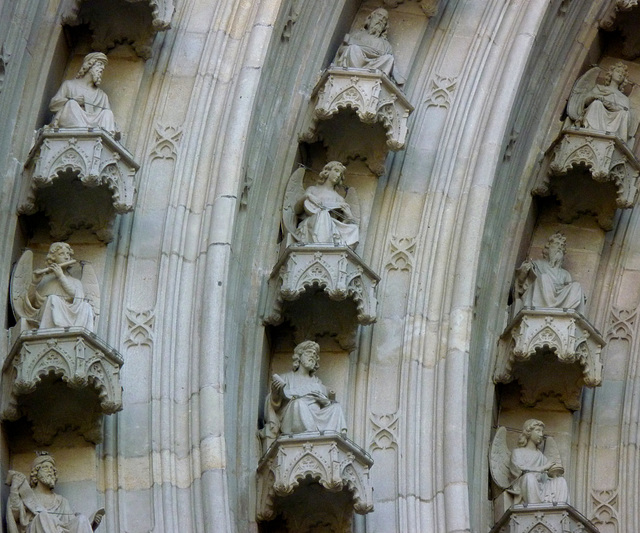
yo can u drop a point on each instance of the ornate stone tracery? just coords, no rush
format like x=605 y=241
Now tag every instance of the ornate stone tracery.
x=325 y=458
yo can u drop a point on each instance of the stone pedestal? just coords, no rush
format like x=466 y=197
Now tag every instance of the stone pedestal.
x=59 y=378
x=550 y=351
x=543 y=518
x=603 y=158
x=374 y=99
x=335 y=271
x=295 y=466
x=79 y=177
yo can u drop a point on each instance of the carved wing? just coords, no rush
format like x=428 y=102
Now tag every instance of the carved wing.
x=499 y=458
x=293 y=192
x=354 y=202
x=583 y=86
x=551 y=450
x=20 y=281
x=91 y=287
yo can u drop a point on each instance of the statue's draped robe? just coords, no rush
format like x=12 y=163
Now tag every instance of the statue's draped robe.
x=293 y=410
x=531 y=484
x=53 y=307
x=552 y=287
x=26 y=514
x=323 y=222
x=363 y=50
x=69 y=114
x=597 y=117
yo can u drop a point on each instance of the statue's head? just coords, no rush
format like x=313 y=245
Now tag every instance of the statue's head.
x=93 y=63
x=43 y=470
x=532 y=429
x=59 y=252
x=332 y=168
x=377 y=22
x=618 y=73
x=306 y=347
x=555 y=248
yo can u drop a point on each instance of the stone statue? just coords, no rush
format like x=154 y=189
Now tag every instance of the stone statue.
x=80 y=103
x=369 y=47
x=299 y=402
x=527 y=473
x=319 y=213
x=604 y=108
x=33 y=507
x=544 y=283
x=64 y=294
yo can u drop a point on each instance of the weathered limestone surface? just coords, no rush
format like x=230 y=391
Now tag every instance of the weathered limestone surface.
x=216 y=118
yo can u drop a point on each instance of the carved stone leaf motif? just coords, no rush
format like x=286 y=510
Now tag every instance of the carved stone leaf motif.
x=384 y=431
x=140 y=326
x=441 y=93
x=622 y=323
x=166 y=142
x=402 y=250
x=605 y=508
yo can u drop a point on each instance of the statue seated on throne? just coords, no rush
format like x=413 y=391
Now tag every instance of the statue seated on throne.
x=299 y=402
x=63 y=294
x=80 y=103
x=543 y=283
x=603 y=107
x=369 y=47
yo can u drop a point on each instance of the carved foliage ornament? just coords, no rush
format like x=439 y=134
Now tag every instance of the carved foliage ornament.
x=429 y=7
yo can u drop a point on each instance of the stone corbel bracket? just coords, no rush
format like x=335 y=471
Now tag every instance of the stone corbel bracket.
x=336 y=270
x=114 y=21
x=607 y=160
x=85 y=363
x=551 y=518
x=368 y=92
x=92 y=157
x=326 y=458
x=564 y=335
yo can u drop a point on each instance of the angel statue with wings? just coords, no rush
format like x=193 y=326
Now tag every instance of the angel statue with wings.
x=603 y=107
x=63 y=294
x=526 y=472
x=320 y=214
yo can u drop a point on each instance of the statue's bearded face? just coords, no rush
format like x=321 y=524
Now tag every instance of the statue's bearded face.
x=96 y=72
x=47 y=475
x=377 y=23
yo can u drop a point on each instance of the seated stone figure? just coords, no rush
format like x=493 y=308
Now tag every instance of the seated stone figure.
x=544 y=283
x=369 y=47
x=527 y=473
x=604 y=108
x=33 y=507
x=298 y=401
x=325 y=216
x=52 y=297
x=81 y=103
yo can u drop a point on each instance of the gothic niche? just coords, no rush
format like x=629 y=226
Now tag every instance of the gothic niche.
x=77 y=173
x=530 y=478
x=58 y=372
x=310 y=470
x=549 y=347
x=358 y=108
x=111 y=22
x=594 y=153
x=318 y=275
